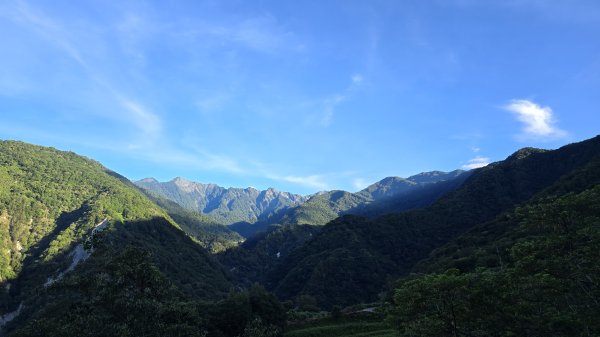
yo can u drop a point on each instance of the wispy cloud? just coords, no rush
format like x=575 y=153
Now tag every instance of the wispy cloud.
x=189 y=157
x=311 y=181
x=538 y=121
x=330 y=103
x=46 y=27
x=476 y=162
x=260 y=33
x=219 y=162
x=149 y=123
x=131 y=110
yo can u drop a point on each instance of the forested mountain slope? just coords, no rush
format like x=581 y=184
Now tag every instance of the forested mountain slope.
x=50 y=202
x=207 y=231
x=256 y=258
x=85 y=252
x=389 y=195
x=532 y=271
x=352 y=258
x=258 y=255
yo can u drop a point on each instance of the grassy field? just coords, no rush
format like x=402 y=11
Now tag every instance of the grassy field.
x=348 y=327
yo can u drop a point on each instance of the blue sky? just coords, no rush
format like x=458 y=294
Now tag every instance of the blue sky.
x=298 y=95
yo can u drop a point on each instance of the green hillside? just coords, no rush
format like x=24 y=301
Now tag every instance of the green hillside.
x=509 y=250
x=353 y=258
x=49 y=203
x=251 y=261
x=207 y=231
x=324 y=207
x=532 y=271
x=390 y=195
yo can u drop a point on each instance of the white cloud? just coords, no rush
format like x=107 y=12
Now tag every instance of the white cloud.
x=476 y=162
x=312 y=181
x=539 y=122
x=309 y=181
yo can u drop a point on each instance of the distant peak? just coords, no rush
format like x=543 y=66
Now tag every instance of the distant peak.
x=148 y=180
x=428 y=174
x=524 y=152
x=434 y=176
x=389 y=180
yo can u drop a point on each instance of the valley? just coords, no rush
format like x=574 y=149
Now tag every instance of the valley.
x=85 y=251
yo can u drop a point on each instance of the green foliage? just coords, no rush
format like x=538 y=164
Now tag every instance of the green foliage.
x=121 y=292
x=353 y=258
x=185 y=263
x=354 y=325
x=512 y=252
x=49 y=199
x=247 y=312
x=49 y=202
x=256 y=257
x=307 y=303
x=124 y=296
x=336 y=313
x=256 y=328
x=207 y=231
x=434 y=305
x=322 y=208
x=547 y=284
x=390 y=195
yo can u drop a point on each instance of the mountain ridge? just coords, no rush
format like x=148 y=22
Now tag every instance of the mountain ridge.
x=51 y=200
x=248 y=210
x=352 y=252
x=326 y=206
x=226 y=205
x=525 y=227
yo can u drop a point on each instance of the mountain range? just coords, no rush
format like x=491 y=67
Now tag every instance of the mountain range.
x=509 y=249
x=248 y=210
x=226 y=205
x=326 y=206
x=352 y=257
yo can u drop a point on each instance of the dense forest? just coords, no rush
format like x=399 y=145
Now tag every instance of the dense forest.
x=50 y=203
x=510 y=249
x=530 y=272
x=353 y=258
